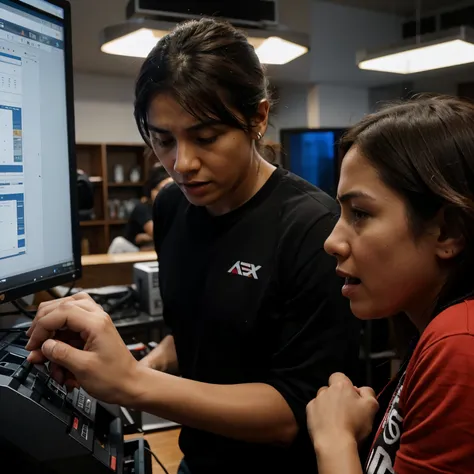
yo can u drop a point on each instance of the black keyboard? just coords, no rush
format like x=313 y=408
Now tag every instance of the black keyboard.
x=9 y=339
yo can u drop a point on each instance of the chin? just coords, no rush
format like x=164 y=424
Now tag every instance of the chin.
x=196 y=201
x=205 y=200
x=366 y=311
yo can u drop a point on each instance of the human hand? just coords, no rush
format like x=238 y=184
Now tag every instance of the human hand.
x=143 y=238
x=341 y=411
x=85 y=349
x=147 y=362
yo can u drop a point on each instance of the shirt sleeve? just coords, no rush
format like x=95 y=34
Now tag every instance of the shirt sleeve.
x=316 y=332
x=437 y=403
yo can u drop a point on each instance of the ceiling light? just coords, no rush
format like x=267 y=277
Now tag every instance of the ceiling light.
x=276 y=50
x=137 y=44
x=137 y=38
x=441 y=50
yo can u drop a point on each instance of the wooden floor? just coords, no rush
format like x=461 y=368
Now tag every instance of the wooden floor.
x=165 y=445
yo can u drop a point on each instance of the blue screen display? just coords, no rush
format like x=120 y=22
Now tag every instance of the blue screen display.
x=312 y=155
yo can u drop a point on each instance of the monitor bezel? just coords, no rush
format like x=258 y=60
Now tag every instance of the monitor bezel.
x=76 y=273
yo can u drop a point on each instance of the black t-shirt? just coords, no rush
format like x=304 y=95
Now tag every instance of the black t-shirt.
x=141 y=214
x=251 y=296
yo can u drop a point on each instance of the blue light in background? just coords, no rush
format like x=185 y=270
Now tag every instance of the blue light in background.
x=312 y=157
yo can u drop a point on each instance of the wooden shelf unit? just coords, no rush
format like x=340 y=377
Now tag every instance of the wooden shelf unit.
x=98 y=161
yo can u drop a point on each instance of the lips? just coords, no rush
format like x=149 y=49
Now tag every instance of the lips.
x=195 y=184
x=350 y=279
x=196 y=188
x=351 y=283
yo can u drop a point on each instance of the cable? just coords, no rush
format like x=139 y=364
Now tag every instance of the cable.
x=11 y=313
x=70 y=288
x=128 y=297
x=56 y=295
x=157 y=460
x=22 y=310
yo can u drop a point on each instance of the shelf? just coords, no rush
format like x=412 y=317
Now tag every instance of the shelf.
x=92 y=223
x=118 y=222
x=99 y=162
x=127 y=184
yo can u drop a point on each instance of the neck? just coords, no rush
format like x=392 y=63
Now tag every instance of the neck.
x=245 y=188
x=421 y=320
x=422 y=311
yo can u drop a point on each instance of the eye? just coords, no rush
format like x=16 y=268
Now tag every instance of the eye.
x=358 y=215
x=207 y=140
x=164 y=143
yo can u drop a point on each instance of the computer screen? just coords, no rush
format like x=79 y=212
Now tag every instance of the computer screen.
x=38 y=223
x=313 y=155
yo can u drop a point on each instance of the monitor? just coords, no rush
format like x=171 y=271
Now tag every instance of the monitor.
x=313 y=154
x=39 y=242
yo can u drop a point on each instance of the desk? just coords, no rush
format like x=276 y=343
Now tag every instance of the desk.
x=111 y=269
x=165 y=445
x=143 y=328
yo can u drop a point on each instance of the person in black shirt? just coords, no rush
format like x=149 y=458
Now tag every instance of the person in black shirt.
x=254 y=307
x=139 y=230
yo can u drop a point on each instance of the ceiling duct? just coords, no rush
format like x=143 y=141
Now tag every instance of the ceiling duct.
x=150 y=20
x=255 y=13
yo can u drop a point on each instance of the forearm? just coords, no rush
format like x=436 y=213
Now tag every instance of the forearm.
x=164 y=357
x=248 y=412
x=337 y=455
x=143 y=239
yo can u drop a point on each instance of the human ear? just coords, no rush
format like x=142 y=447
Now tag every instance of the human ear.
x=450 y=241
x=260 y=120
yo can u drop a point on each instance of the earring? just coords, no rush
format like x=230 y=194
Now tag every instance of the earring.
x=259 y=136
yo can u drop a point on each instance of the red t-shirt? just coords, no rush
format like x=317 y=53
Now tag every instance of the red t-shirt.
x=429 y=424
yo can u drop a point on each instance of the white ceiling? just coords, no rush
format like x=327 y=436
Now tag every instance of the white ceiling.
x=87 y=22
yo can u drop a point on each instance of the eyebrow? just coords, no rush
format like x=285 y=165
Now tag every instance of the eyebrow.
x=193 y=128
x=353 y=195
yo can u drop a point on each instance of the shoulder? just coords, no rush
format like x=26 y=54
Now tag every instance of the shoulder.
x=301 y=198
x=445 y=349
x=305 y=210
x=436 y=400
x=451 y=325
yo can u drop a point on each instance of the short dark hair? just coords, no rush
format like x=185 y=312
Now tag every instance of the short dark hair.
x=423 y=149
x=210 y=69
x=156 y=176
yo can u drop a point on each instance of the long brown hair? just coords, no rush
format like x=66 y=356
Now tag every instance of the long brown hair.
x=423 y=149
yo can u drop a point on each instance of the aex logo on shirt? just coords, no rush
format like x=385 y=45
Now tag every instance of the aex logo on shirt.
x=245 y=269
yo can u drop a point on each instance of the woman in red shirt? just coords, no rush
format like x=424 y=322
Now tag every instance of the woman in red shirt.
x=405 y=243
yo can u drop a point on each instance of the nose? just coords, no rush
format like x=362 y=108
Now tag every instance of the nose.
x=337 y=244
x=186 y=161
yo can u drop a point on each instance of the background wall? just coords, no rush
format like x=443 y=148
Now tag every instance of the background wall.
x=322 y=89
x=104 y=109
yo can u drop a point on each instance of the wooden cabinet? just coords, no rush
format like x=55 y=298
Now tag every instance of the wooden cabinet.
x=118 y=173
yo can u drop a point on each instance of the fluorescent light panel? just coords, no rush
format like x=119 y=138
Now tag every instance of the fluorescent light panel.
x=419 y=58
x=271 y=50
